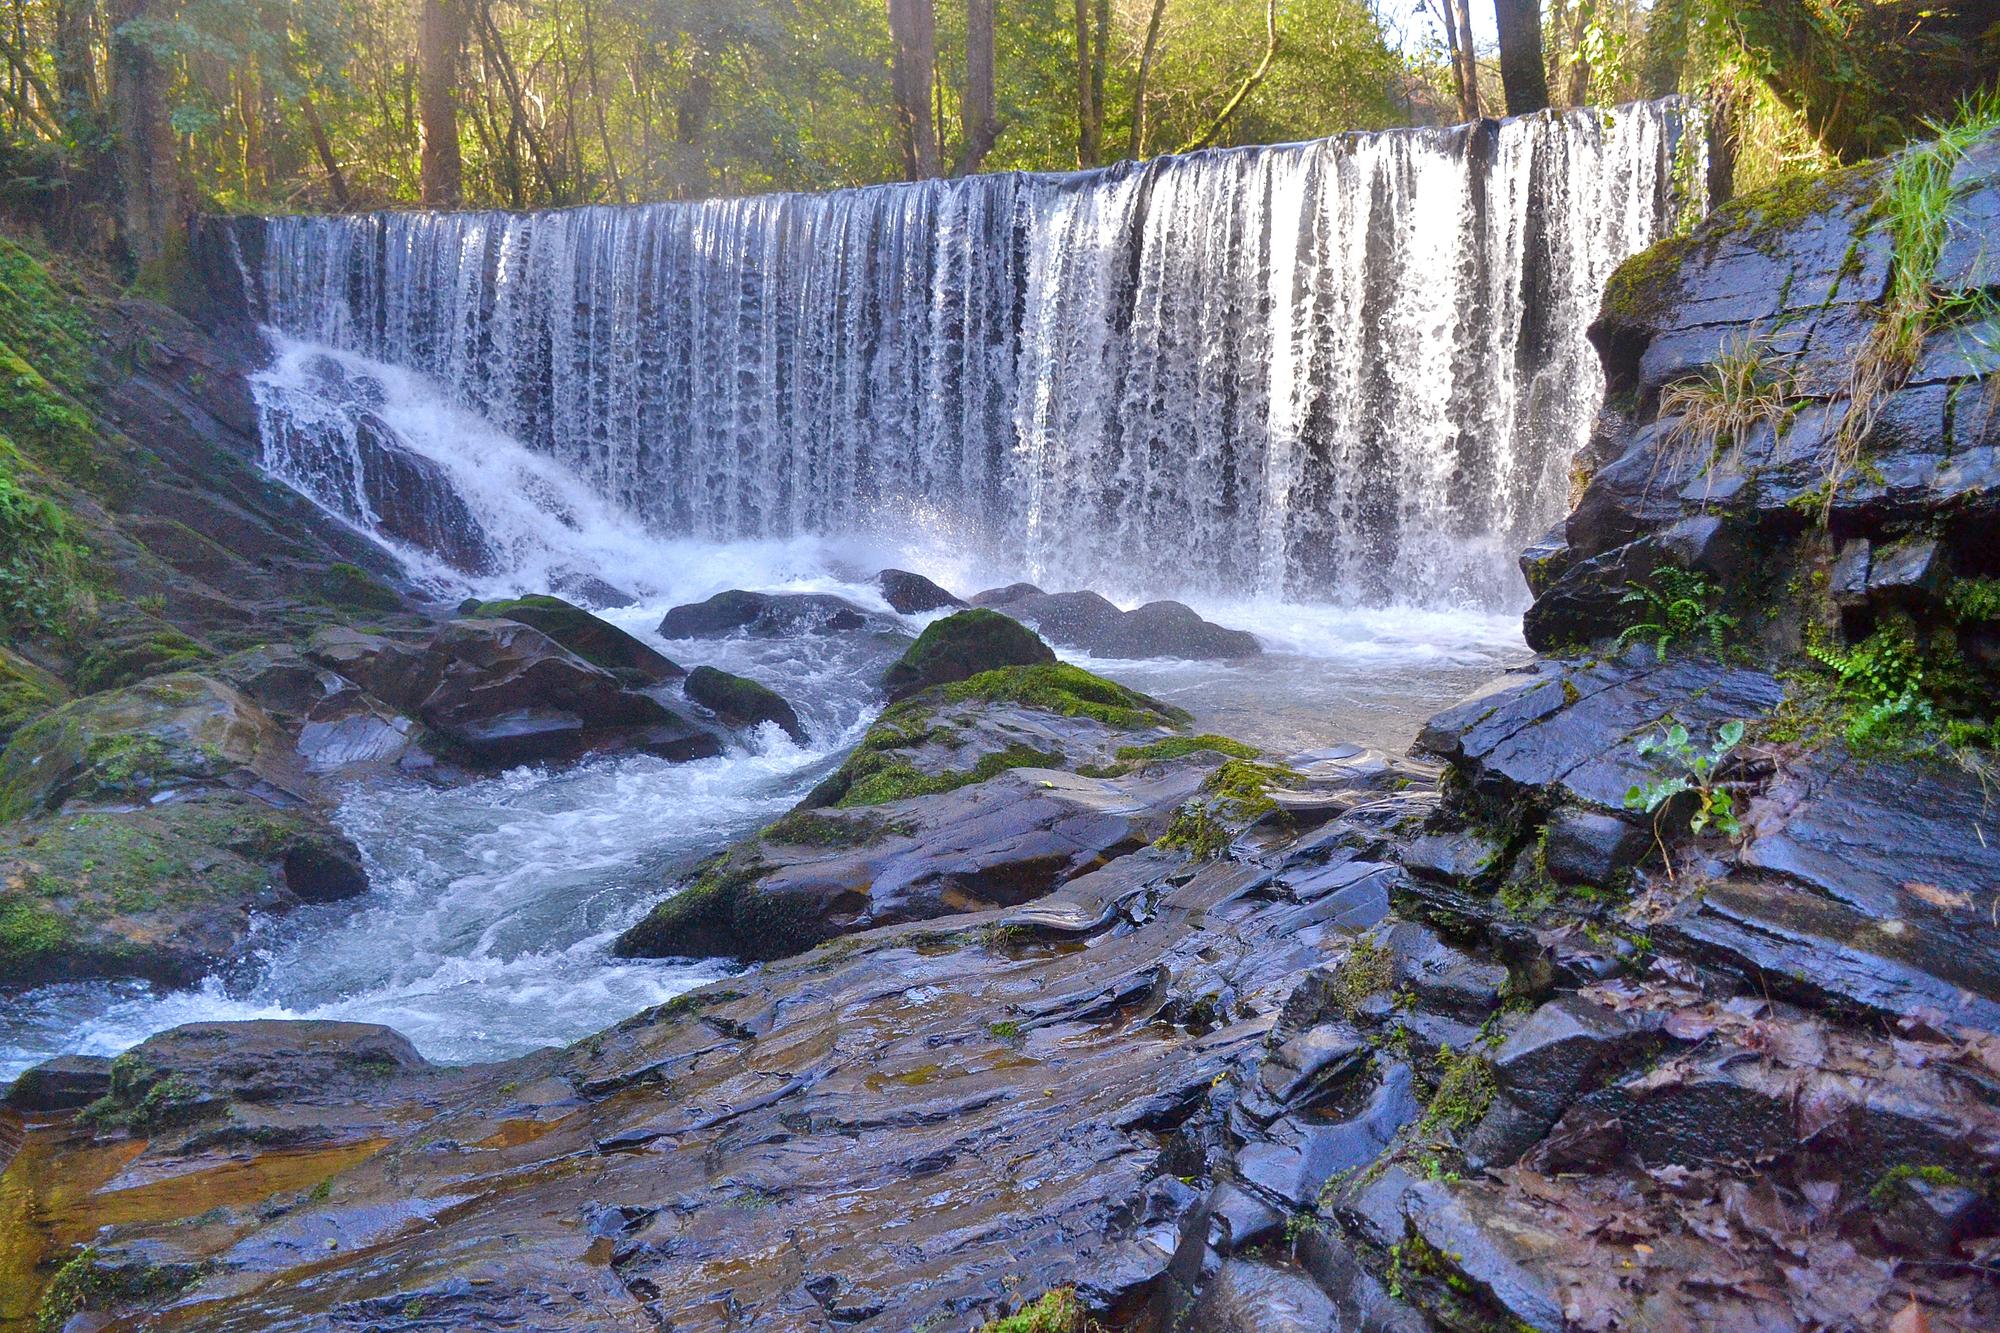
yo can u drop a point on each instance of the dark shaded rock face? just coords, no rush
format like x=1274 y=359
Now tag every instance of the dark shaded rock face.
x=961 y=646
x=912 y=594
x=762 y=614
x=595 y=641
x=741 y=702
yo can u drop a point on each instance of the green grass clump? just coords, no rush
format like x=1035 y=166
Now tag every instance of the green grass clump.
x=1058 y=1311
x=1058 y=687
x=1365 y=972
x=1718 y=407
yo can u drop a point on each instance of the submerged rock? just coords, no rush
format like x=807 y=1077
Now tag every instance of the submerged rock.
x=961 y=646
x=1093 y=624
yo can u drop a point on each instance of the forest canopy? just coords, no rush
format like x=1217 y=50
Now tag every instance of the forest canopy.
x=119 y=116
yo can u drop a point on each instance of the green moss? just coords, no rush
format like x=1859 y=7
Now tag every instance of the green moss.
x=963 y=645
x=155 y=649
x=1242 y=789
x=1364 y=972
x=1639 y=285
x=32 y=938
x=889 y=779
x=353 y=587
x=1463 y=1092
x=43 y=586
x=87 y=1283
x=721 y=912
x=1196 y=833
x=804 y=828
x=1131 y=757
x=1938 y=1176
x=1058 y=687
x=1005 y=1030
x=26 y=693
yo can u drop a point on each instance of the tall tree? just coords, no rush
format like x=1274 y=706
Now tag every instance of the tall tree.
x=76 y=78
x=149 y=183
x=1457 y=24
x=1138 y=145
x=1522 y=75
x=1245 y=88
x=440 y=49
x=913 y=28
x=979 y=108
x=1089 y=115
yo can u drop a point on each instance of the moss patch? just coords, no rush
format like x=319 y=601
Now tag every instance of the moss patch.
x=721 y=913
x=1058 y=687
x=806 y=828
x=88 y=1283
x=964 y=645
x=1058 y=1311
x=26 y=693
x=354 y=588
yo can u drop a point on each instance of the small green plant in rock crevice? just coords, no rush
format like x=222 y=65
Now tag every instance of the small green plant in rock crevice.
x=1698 y=770
x=1679 y=604
x=1741 y=389
x=1881 y=680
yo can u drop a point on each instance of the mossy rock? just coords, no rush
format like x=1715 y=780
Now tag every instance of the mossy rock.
x=26 y=693
x=131 y=745
x=742 y=702
x=354 y=588
x=148 y=648
x=961 y=646
x=595 y=641
x=721 y=912
x=162 y=892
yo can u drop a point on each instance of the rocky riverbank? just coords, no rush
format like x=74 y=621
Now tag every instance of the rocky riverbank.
x=1659 y=987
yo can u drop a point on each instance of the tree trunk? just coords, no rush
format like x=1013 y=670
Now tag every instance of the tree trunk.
x=1138 y=146
x=76 y=81
x=1468 y=62
x=1089 y=124
x=323 y=146
x=913 y=25
x=1248 y=86
x=1457 y=46
x=1522 y=73
x=979 y=109
x=151 y=219
x=597 y=101
x=440 y=47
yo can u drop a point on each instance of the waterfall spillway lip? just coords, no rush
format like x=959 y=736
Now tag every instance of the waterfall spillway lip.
x=1350 y=370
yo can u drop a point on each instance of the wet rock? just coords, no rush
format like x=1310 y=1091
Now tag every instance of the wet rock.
x=171 y=734
x=1294 y=1160
x=1592 y=847
x=912 y=594
x=1460 y=856
x=1444 y=979
x=270 y=1060
x=166 y=891
x=995 y=844
x=1927 y=1213
x=595 y=641
x=1250 y=1297
x=590 y=592
x=1011 y=593
x=762 y=614
x=410 y=499
x=1457 y=1228
x=741 y=702
x=1169 y=629
x=66 y=1083
x=1093 y=624
x=1563 y=1050
x=961 y=646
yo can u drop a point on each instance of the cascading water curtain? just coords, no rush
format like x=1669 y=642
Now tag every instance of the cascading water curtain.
x=1351 y=370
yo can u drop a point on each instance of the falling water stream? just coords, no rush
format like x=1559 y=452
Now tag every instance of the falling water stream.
x=1321 y=391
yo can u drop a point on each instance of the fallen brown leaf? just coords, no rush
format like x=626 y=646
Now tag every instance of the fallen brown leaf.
x=1935 y=896
x=1910 y=1319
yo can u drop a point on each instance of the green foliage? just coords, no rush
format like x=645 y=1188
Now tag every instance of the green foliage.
x=1974 y=600
x=1882 y=682
x=1366 y=971
x=1714 y=805
x=1679 y=605
x=87 y=1283
x=351 y=586
x=1058 y=1311
x=42 y=585
x=880 y=778
x=1463 y=1092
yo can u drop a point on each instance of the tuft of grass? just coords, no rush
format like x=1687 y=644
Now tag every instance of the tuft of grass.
x=1915 y=207
x=1740 y=390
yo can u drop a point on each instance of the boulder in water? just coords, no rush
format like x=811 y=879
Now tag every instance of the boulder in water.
x=589 y=591
x=1095 y=625
x=742 y=702
x=415 y=503
x=595 y=641
x=912 y=594
x=762 y=615
x=1169 y=629
x=963 y=645
x=1006 y=596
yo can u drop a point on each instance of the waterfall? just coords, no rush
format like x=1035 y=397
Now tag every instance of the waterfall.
x=1351 y=370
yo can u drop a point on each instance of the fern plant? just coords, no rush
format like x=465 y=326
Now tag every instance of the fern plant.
x=1715 y=804
x=1882 y=679
x=1678 y=604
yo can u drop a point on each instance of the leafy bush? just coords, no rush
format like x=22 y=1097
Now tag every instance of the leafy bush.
x=1715 y=806
x=1679 y=604
x=42 y=589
